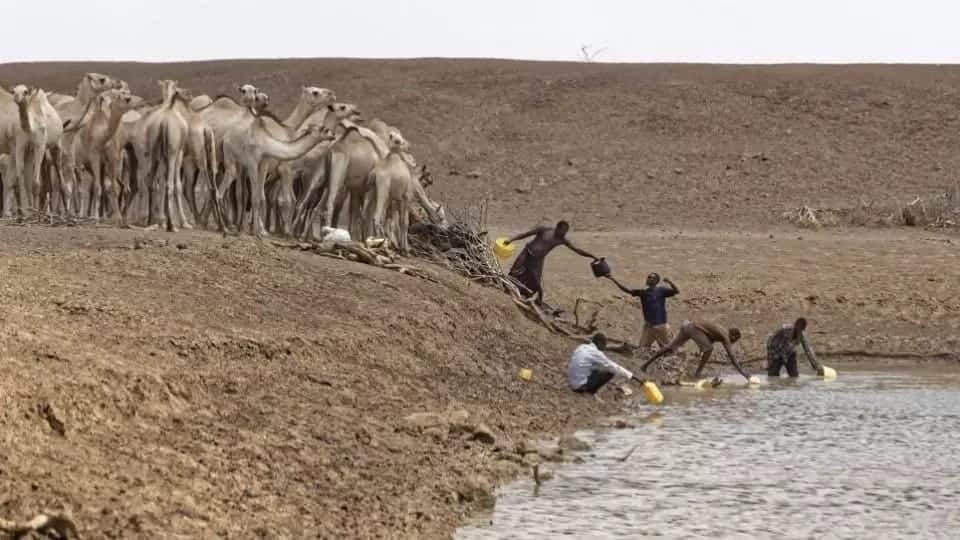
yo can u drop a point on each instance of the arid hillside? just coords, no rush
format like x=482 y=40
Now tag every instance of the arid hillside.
x=624 y=146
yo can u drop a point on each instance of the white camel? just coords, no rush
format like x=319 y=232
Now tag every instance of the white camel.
x=393 y=192
x=93 y=157
x=247 y=149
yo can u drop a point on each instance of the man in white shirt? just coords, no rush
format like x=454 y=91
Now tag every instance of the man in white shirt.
x=590 y=369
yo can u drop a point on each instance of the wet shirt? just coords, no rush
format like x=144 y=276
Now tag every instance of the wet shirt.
x=781 y=343
x=587 y=358
x=653 y=300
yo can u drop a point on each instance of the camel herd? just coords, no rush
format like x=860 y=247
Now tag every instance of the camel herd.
x=107 y=154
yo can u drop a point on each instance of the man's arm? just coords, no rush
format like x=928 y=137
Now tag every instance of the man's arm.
x=527 y=234
x=620 y=285
x=577 y=250
x=600 y=360
x=673 y=290
x=727 y=346
x=808 y=351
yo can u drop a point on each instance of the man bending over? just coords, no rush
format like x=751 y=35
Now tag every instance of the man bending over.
x=704 y=334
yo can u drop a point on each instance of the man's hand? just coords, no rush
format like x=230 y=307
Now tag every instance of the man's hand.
x=820 y=371
x=638 y=379
x=507 y=242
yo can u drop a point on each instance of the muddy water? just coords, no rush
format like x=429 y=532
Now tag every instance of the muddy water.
x=870 y=454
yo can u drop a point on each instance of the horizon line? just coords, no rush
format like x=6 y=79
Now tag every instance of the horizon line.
x=497 y=59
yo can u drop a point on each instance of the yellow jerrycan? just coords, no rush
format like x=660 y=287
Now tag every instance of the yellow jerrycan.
x=828 y=373
x=502 y=250
x=652 y=393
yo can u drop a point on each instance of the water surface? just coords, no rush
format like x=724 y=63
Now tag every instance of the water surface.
x=872 y=454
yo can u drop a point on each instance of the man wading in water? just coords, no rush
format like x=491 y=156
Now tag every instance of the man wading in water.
x=704 y=334
x=527 y=269
x=782 y=350
x=653 y=300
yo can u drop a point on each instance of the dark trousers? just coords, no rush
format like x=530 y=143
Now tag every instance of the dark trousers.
x=595 y=382
x=777 y=361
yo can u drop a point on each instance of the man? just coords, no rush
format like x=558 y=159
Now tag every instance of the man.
x=590 y=369
x=527 y=269
x=653 y=301
x=704 y=334
x=782 y=350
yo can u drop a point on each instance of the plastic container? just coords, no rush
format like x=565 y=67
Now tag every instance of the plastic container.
x=828 y=373
x=600 y=268
x=652 y=393
x=753 y=381
x=526 y=374
x=502 y=250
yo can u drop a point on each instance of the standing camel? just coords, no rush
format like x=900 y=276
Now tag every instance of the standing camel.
x=93 y=157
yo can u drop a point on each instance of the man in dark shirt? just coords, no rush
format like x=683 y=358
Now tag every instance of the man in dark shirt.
x=782 y=350
x=653 y=300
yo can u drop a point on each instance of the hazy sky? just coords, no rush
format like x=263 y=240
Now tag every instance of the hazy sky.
x=759 y=31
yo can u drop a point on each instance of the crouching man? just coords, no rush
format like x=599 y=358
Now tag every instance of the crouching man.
x=590 y=369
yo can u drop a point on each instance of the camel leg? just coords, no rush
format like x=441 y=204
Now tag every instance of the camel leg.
x=111 y=192
x=189 y=174
x=96 y=167
x=56 y=180
x=257 y=173
x=23 y=196
x=170 y=200
x=285 y=198
x=337 y=164
x=9 y=188
x=35 y=164
x=178 y=192
x=308 y=201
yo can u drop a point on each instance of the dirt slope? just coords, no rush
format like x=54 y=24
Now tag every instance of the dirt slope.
x=230 y=388
x=624 y=146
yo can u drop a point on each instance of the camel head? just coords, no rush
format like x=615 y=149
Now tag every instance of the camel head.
x=317 y=97
x=396 y=142
x=248 y=94
x=345 y=111
x=98 y=82
x=323 y=133
x=261 y=100
x=117 y=100
x=168 y=88
x=185 y=93
x=23 y=93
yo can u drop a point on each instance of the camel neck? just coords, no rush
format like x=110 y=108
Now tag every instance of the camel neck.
x=298 y=115
x=23 y=109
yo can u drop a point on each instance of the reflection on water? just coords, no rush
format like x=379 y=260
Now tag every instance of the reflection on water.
x=870 y=454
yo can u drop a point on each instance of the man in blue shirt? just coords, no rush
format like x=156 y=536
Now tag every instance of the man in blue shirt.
x=653 y=300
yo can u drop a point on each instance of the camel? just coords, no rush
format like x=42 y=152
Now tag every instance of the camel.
x=249 y=147
x=220 y=115
x=394 y=191
x=346 y=167
x=73 y=113
x=312 y=98
x=167 y=133
x=92 y=155
x=29 y=141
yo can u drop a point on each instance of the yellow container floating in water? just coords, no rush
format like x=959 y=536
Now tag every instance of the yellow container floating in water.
x=526 y=374
x=753 y=381
x=502 y=250
x=652 y=393
x=829 y=373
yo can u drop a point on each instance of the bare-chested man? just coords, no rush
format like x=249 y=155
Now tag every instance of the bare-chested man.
x=527 y=269
x=704 y=334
